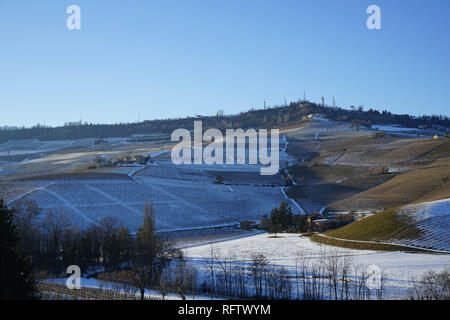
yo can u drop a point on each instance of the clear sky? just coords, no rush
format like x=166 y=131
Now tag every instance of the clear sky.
x=176 y=58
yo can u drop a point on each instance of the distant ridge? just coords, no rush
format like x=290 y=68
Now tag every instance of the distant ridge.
x=271 y=117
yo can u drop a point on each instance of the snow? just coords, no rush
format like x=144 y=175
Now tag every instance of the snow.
x=33 y=146
x=28 y=193
x=296 y=205
x=329 y=162
x=393 y=128
x=185 y=197
x=432 y=220
x=317 y=149
x=149 y=294
x=194 y=201
x=399 y=266
x=157 y=153
x=427 y=210
x=70 y=206
x=407 y=132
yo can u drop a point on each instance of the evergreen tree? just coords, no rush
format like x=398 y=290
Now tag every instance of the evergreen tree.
x=146 y=233
x=125 y=241
x=281 y=218
x=144 y=267
x=16 y=280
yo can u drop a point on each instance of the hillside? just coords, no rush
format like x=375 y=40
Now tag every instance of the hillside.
x=272 y=117
x=425 y=225
x=375 y=227
x=344 y=169
x=414 y=186
x=340 y=167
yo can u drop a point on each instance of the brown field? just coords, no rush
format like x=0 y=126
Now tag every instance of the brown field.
x=325 y=174
x=408 y=150
x=415 y=186
x=367 y=173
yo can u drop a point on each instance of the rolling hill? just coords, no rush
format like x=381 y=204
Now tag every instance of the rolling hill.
x=422 y=226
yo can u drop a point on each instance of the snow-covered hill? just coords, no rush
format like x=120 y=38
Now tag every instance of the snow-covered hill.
x=427 y=210
x=431 y=227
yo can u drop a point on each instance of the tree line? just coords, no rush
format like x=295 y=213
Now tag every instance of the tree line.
x=269 y=117
x=132 y=263
x=54 y=243
x=331 y=276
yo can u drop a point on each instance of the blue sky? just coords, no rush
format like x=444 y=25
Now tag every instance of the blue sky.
x=176 y=58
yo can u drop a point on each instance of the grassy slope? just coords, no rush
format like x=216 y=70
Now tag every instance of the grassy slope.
x=324 y=174
x=359 y=246
x=379 y=226
x=414 y=186
x=442 y=151
x=375 y=227
x=405 y=150
x=428 y=180
x=427 y=162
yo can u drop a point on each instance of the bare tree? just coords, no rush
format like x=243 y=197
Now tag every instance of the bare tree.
x=210 y=265
x=224 y=264
x=184 y=277
x=297 y=274
x=258 y=270
x=359 y=285
x=142 y=275
x=240 y=280
x=379 y=290
x=165 y=282
x=54 y=224
x=431 y=286
x=346 y=263
x=333 y=267
x=26 y=212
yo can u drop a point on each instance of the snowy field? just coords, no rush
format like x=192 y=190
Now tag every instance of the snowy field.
x=182 y=199
x=290 y=248
x=183 y=196
x=188 y=197
x=427 y=210
x=108 y=285
x=321 y=129
x=190 y=238
x=432 y=220
x=17 y=147
x=31 y=146
x=392 y=128
x=31 y=157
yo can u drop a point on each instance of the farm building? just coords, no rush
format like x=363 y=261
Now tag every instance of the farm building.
x=247 y=224
x=322 y=225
